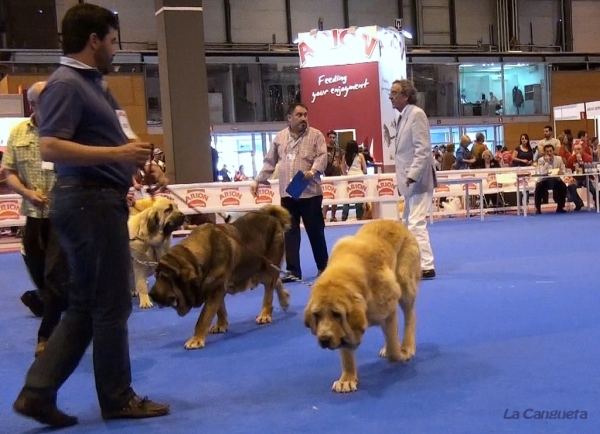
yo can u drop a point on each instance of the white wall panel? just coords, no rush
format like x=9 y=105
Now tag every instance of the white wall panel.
x=306 y=13
x=586 y=16
x=543 y=16
x=473 y=19
x=255 y=21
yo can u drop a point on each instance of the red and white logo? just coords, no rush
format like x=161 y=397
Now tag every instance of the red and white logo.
x=196 y=198
x=230 y=196
x=9 y=209
x=470 y=186
x=356 y=189
x=334 y=39
x=386 y=187
x=442 y=188
x=165 y=194
x=265 y=195
x=329 y=190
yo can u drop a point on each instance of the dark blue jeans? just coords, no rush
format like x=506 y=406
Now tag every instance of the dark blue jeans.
x=310 y=211
x=91 y=224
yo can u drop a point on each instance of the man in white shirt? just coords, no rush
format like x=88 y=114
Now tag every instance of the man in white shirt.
x=551 y=165
x=415 y=174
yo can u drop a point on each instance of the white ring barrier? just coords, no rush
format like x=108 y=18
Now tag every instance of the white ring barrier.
x=379 y=189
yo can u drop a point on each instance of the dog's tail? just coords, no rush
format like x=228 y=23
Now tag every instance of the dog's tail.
x=280 y=213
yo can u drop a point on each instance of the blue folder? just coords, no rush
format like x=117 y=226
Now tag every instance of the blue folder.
x=297 y=185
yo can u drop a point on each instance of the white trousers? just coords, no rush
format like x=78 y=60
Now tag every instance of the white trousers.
x=416 y=210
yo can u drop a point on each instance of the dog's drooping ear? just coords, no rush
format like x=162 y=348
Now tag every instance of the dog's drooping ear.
x=309 y=319
x=356 y=317
x=153 y=222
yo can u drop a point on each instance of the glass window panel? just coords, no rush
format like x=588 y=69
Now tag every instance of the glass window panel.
x=153 y=107
x=526 y=89
x=281 y=83
x=438 y=89
x=481 y=89
x=220 y=94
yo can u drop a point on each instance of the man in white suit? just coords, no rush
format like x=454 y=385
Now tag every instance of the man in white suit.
x=415 y=174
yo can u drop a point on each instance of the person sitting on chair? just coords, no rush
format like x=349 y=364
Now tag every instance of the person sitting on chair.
x=552 y=165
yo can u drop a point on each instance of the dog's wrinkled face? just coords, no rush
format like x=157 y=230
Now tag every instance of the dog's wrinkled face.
x=163 y=219
x=336 y=316
x=177 y=283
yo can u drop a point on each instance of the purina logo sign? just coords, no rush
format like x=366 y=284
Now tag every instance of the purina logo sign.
x=9 y=209
x=230 y=196
x=196 y=198
x=355 y=40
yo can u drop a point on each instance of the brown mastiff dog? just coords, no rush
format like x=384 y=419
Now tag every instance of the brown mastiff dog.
x=367 y=276
x=216 y=260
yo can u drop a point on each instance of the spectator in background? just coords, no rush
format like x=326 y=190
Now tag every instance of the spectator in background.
x=240 y=175
x=448 y=158
x=354 y=164
x=224 y=172
x=577 y=161
x=478 y=147
x=548 y=139
x=487 y=161
x=584 y=141
x=566 y=148
x=215 y=161
x=463 y=155
x=594 y=146
x=334 y=167
x=159 y=158
x=506 y=157
x=523 y=154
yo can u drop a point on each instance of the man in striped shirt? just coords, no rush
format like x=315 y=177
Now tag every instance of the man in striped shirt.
x=44 y=259
x=299 y=148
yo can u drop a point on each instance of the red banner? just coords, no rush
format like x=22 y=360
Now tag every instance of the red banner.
x=345 y=97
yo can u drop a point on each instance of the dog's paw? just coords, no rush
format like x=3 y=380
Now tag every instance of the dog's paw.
x=194 y=343
x=264 y=318
x=217 y=328
x=345 y=386
x=145 y=302
x=284 y=300
x=401 y=356
x=407 y=353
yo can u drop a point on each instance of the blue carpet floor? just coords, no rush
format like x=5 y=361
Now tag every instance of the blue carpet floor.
x=510 y=324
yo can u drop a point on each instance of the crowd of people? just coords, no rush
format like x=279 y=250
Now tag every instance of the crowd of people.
x=564 y=155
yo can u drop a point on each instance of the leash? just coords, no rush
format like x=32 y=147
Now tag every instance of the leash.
x=152 y=189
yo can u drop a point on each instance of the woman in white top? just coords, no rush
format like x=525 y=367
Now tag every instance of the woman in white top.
x=354 y=163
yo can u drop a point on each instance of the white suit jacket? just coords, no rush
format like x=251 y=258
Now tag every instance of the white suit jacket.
x=414 y=158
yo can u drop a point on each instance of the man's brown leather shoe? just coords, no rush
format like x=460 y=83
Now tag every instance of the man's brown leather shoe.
x=43 y=411
x=138 y=408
